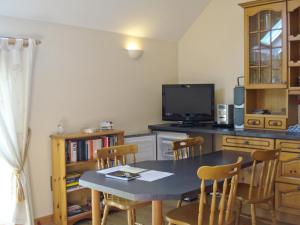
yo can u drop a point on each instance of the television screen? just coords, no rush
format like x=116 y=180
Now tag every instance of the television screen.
x=188 y=102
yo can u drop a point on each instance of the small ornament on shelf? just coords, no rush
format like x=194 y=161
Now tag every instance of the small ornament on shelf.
x=60 y=128
x=106 y=125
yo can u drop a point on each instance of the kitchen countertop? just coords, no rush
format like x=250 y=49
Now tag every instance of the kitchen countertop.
x=210 y=129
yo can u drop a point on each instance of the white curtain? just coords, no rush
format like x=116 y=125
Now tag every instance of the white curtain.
x=16 y=65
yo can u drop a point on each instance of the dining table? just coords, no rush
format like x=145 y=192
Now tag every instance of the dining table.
x=183 y=181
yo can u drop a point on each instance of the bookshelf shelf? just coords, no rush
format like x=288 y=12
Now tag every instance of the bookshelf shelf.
x=78 y=217
x=72 y=164
x=294 y=64
x=68 y=159
x=75 y=189
x=294 y=92
x=294 y=38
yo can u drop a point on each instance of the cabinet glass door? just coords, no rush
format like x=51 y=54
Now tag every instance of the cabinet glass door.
x=265 y=47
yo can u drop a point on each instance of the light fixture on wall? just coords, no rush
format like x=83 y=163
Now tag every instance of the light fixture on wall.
x=134 y=51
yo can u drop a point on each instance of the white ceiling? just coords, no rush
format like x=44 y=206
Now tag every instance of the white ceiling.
x=160 y=19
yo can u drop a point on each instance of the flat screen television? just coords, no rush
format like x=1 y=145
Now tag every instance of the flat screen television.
x=188 y=103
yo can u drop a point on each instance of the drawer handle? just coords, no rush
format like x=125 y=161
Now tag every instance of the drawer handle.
x=298 y=188
x=247 y=143
x=275 y=123
x=253 y=122
x=293 y=171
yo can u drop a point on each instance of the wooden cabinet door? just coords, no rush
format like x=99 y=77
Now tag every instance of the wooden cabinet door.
x=287 y=198
x=289 y=167
x=266 y=46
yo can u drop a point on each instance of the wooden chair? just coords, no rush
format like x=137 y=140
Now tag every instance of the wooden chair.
x=211 y=211
x=186 y=148
x=114 y=156
x=261 y=187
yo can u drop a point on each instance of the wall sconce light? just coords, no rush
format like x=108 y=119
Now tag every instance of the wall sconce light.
x=134 y=51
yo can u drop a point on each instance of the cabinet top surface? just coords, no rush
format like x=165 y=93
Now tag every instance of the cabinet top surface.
x=209 y=129
x=85 y=135
x=249 y=4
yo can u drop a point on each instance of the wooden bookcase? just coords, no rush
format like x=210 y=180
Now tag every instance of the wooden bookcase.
x=61 y=168
x=272 y=63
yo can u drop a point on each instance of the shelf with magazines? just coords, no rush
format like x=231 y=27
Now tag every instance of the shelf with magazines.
x=72 y=154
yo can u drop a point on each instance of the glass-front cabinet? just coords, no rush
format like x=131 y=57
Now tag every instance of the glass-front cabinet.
x=294 y=46
x=265 y=46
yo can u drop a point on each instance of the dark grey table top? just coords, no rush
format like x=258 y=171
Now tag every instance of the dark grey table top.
x=184 y=180
x=209 y=129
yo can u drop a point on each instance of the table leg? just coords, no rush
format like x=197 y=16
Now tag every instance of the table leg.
x=96 y=207
x=157 y=217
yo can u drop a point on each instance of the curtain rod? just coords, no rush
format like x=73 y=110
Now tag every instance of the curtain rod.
x=12 y=40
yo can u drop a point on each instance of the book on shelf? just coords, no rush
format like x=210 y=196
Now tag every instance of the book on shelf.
x=105 y=142
x=75 y=209
x=83 y=150
x=72 y=180
x=73 y=175
x=73 y=151
x=72 y=184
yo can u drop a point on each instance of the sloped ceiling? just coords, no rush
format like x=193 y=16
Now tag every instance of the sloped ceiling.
x=159 y=19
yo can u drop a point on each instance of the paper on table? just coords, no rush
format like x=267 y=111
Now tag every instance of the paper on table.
x=130 y=169
x=110 y=170
x=153 y=175
x=125 y=168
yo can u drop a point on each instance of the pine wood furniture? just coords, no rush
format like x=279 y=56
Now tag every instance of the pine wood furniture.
x=184 y=170
x=261 y=187
x=287 y=182
x=115 y=156
x=212 y=212
x=60 y=169
x=271 y=41
x=187 y=148
x=287 y=195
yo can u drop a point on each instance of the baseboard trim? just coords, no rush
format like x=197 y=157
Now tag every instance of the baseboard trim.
x=45 y=220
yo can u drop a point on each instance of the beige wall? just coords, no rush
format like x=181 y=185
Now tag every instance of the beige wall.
x=211 y=51
x=82 y=77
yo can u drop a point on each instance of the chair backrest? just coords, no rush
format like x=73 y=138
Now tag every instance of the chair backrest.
x=116 y=155
x=263 y=177
x=187 y=147
x=225 y=178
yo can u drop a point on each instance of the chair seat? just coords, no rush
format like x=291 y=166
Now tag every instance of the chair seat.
x=188 y=215
x=243 y=194
x=122 y=203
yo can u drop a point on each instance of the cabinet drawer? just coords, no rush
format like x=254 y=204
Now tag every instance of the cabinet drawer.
x=275 y=123
x=254 y=122
x=249 y=142
x=287 y=198
x=289 y=167
x=286 y=145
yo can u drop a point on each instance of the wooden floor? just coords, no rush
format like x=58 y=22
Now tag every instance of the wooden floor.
x=144 y=216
